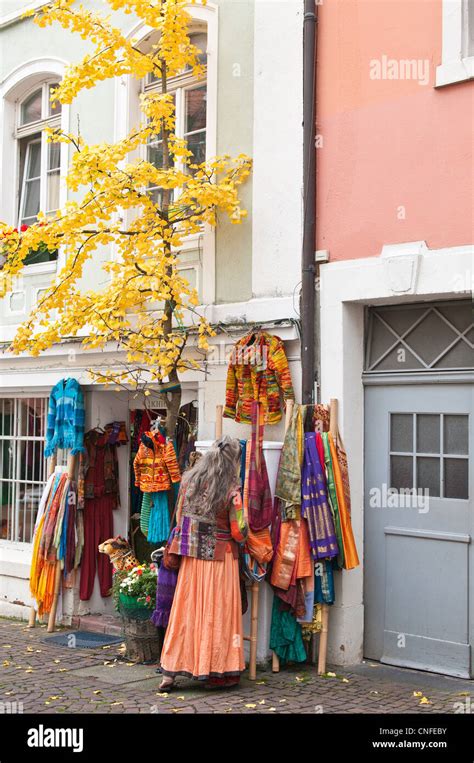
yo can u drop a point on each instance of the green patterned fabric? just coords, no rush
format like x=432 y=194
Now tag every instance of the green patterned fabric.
x=145 y=513
x=286 y=639
x=288 y=487
x=333 y=499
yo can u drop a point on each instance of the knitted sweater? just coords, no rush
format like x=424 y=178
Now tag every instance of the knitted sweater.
x=257 y=371
x=66 y=416
x=155 y=464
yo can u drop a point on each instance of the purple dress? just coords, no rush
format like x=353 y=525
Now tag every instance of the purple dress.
x=315 y=505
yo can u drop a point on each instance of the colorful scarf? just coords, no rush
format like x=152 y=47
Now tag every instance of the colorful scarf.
x=315 y=504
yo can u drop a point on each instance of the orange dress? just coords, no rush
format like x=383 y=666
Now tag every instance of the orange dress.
x=204 y=638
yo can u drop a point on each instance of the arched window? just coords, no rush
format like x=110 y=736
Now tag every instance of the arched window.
x=39 y=161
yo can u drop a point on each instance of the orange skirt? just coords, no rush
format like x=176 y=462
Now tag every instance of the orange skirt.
x=204 y=638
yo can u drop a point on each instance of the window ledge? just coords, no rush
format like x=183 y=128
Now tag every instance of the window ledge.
x=40 y=268
x=451 y=72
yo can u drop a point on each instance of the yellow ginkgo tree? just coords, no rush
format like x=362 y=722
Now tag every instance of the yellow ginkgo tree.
x=143 y=306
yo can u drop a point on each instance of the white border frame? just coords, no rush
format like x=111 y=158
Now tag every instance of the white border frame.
x=455 y=65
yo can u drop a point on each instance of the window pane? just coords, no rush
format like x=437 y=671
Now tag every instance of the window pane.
x=197 y=144
x=199 y=39
x=427 y=433
x=155 y=155
x=195 y=109
x=34 y=160
x=52 y=202
x=54 y=156
x=32 y=199
x=401 y=432
x=401 y=468
x=456 y=478
x=31 y=108
x=427 y=475
x=53 y=108
x=456 y=435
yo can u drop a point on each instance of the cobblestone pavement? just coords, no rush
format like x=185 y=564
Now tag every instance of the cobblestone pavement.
x=51 y=679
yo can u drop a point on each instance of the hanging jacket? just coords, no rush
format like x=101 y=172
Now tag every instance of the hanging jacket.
x=66 y=416
x=258 y=371
x=155 y=464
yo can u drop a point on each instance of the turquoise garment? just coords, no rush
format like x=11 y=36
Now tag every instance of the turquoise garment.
x=285 y=635
x=159 y=521
x=324 y=582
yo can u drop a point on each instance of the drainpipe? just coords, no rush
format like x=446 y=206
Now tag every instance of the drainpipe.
x=308 y=260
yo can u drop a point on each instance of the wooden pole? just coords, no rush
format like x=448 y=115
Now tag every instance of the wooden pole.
x=219 y=416
x=32 y=618
x=288 y=414
x=253 y=631
x=71 y=468
x=323 y=638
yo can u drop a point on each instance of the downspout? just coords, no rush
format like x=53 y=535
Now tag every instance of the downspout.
x=308 y=260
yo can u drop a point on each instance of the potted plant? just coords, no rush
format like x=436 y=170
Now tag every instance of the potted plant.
x=134 y=593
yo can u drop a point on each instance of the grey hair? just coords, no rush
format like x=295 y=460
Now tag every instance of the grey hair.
x=215 y=472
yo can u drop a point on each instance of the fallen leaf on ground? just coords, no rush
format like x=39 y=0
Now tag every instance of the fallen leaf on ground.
x=176 y=709
x=29 y=649
x=250 y=705
x=7 y=646
x=330 y=675
x=262 y=702
x=182 y=697
x=345 y=680
x=97 y=691
x=162 y=693
x=62 y=670
x=417 y=693
x=56 y=662
x=260 y=683
x=282 y=700
x=271 y=709
x=6 y=663
x=425 y=701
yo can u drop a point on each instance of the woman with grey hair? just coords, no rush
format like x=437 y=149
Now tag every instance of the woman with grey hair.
x=204 y=637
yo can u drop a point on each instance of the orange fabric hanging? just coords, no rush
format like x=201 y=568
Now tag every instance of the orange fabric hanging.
x=286 y=554
x=305 y=566
x=351 y=558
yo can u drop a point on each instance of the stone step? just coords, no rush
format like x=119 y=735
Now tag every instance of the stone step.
x=98 y=624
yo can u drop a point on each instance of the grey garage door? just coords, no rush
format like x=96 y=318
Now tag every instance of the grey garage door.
x=419 y=501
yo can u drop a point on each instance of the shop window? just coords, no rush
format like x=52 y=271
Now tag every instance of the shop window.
x=23 y=467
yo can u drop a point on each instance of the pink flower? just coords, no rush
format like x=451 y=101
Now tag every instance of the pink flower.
x=23 y=228
x=148 y=598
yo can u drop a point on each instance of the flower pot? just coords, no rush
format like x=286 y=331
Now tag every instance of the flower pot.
x=142 y=641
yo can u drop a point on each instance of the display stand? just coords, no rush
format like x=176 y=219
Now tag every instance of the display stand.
x=323 y=636
x=254 y=588
x=71 y=468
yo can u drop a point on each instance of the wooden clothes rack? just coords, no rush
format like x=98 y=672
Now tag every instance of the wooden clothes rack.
x=252 y=638
x=71 y=469
x=323 y=635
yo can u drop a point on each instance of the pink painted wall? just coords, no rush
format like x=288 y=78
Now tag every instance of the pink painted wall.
x=389 y=143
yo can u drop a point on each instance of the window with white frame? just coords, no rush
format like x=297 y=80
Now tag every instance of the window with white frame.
x=23 y=467
x=457 y=63
x=190 y=99
x=39 y=161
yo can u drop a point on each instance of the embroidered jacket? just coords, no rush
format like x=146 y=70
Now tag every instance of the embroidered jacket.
x=257 y=371
x=204 y=532
x=66 y=416
x=155 y=464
